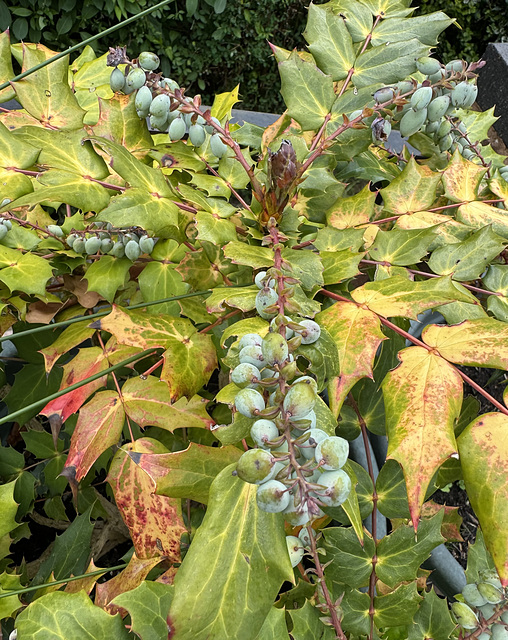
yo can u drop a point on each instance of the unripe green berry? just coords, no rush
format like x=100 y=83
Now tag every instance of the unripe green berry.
x=263 y=431
x=143 y=100
x=217 y=147
x=79 y=245
x=421 y=98
x=255 y=466
x=252 y=354
x=274 y=349
x=197 y=135
x=92 y=245
x=412 y=121
x=159 y=107
x=118 y=250
x=3 y=231
x=148 y=60
x=331 y=453
x=464 y=615
x=383 y=95
x=272 y=496
x=250 y=339
x=266 y=297
x=106 y=245
x=55 y=230
x=177 y=129
x=311 y=331
x=472 y=596
x=117 y=80
x=146 y=244
x=132 y=250
x=7 y=223
x=428 y=66
x=308 y=448
x=337 y=486
x=499 y=632
x=300 y=400
x=490 y=593
x=249 y=402
x=295 y=550
x=71 y=238
x=135 y=79
x=209 y=129
x=245 y=375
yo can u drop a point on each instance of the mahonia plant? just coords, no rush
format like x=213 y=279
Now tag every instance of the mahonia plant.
x=204 y=322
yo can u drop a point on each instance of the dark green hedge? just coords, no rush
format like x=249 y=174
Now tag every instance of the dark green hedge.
x=210 y=52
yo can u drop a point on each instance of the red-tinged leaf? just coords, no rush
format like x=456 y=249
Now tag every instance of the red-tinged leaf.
x=190 y=357
x=99 y=426
x=461 y=179
x=87 y=583
x=473 y=343
x=85 y=364
x=422 y=397
x=357 y=334
x=450 y=527
x=67 y=340
x=131 y=577
x=189 y=473
x=154 y=522
x=483 y=449
x=148 y=403
x=398 y=296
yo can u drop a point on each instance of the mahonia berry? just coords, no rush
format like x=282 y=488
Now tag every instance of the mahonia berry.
x=250 y=339
x=337 y=488
x=332 y=452
x=264 y=431
x=249 y=402
x=309 y=446
x=272 y=496
x=256 y=466
x=464 y=615
x=274 y=349
x=253 y=354
x=300 y=400
x=245 y=375
x=311 y=331
x=295 y=550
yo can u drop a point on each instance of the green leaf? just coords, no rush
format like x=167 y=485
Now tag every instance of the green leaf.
x=16 y=153
x=330 y=239
x=352 y=211
x=358 y=19
x=398 y=607
x=478 y=558
x=148 y=606
x=60 y=616
x=232 y=171
x=250 y=255
x=323 y=358
x=479 y=214
x=467 y=260
x=107 y=275
x=41 y=444
x=329 y=41
x=401 y=247
x=388 y=63
x=306 y=266
x=9 y=604
x=118 y=121
x=234 y=568
x=46 y=93
x=160 y=280
x=399 y=554
x=6 y=71
x=355 y=606
x=223 y=103
x=413 y=190
x=136 y=207
x=307 y=91
x=214 y=229
x=340 y=265
x=425 y=28
x=350 y=561
x=31 y=384
x=274 y=626
x=243 y=298
x=71 y=552
x=483 y=451
x=189 y=473
x=13 y=185
x=432 y=620
x=307 y=624
x=391 y=491
x=8 y=508
x=177 y=156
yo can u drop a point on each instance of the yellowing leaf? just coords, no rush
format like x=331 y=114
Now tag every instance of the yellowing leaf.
x=357 y=334
x=483 y=449
x=70 y=337
x=154 y=522
x=223 y=103
x=352 y=211
x=413 y=190
x=480 y=214
x=423 y=398
x=461 y=179
x=473 y=343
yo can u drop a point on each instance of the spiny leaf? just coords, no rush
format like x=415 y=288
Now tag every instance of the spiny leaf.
x=432 y=620
x=402 y=247
x=155 y=522
x=69 y=338
x=483 y=453
x=352 y=211
x=234 y=568
x=16 y=153
x=351 y=563
x=413 y=190
x=148 y=606
x=8 y=507
x=461 y=179
x=423 y=398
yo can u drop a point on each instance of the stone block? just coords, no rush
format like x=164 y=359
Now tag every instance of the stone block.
x=493 y=85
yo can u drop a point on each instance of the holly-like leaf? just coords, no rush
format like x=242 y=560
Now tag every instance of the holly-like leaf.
x=131 y=577
x=249 y=255
x=461 y=179
x=398 y=29
x=9 y=582
x=46 y=93
x=307 y=623
x=352 y=211
x=350 y=561
x=423 y=398
x=119 y=122
x=483 y=457
x=154 y=521
x=479 y=214
x=323 y=358
x=31 y=384
x=190 y=357
x=401 y=247
x=70 y=337
x=148 y=403
x=148 y=606
x=59 y=616
x=306 y=266
x=468 y=259
x=160 y=280
x=107 y=275
x=243 y=298
x=8 y=507
x=214 y=229
x=400 y=554
x=189 y=473
x=6 y=72
x=398 y=296
x=26 y=272
x=86 y=363
x=355 y=606
x=339 y=265
x=234 y=568
x=413 y=190
x=388 y=63
x=473 y=343
x=307 y=91
x=398 y=607
x=274 y=626
x=16 y=153
x=357 y=334
x=432 y=620
x=329 y=41
x=177 y=156
x=99 y=427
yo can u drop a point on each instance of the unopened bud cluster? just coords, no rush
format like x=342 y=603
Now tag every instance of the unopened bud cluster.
x=479 y=602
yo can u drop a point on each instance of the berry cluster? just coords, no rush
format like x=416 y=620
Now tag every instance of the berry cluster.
x=479 y=602
x=297 y=466
x=162 y=100
x=5 y=227
x=129 y=244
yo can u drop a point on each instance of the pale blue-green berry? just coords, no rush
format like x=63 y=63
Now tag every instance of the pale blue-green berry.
x=250 y=339
x=274 y=326
x=249 y=402
x=296 y=515
x=275 y=349
x=92 y=245
x=3 y=231
x=158 y=123
x=264 y=431
x=382 y=95
x=8 y=223
x=135 y=79
x=464 y=615
x=272 y=496
x=71 y=238
x=217 y=147
x=177 y=129
x=208 y=127
x=252 y=354
x=106 y=245
x=146 y=244
x=245 y=375
x=428 y=66
x=197 y=135
x=118 y=250
x=337 y=488
x=116 y=80
x=309 y=446
x=491 y=577
x=300 y=400
x=504 y=617
x=499 y=632
x=491 y=594
x=259 y=279
x=311 y=331
x=79 y=245
x=132 y=250
x=472 y=596
x=308 y=380
x=454 y=66
x=305 y=537
x=256 y=466
x=266 y=298
x=487 y=610
x=148 y=60
x=332 y=452
x=159 y=107
x=55 y=230
x=295 y=550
